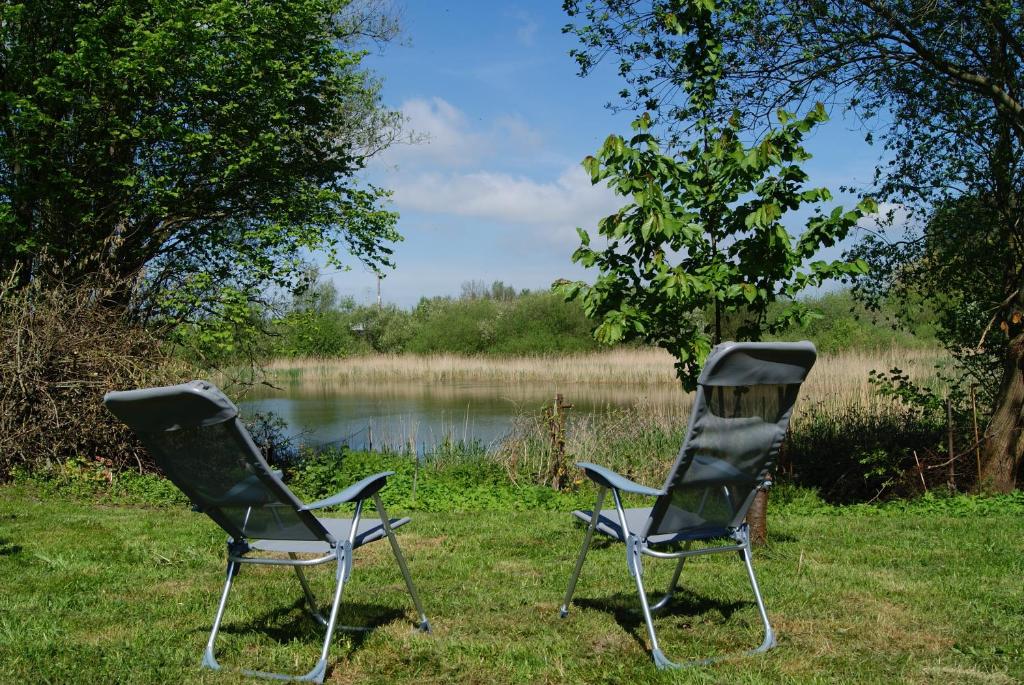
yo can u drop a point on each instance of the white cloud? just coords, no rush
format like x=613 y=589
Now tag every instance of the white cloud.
x=448 y=139
x=526 y=31
x=552 y=208
x=515 y=133
x=891 y=220
x=470 y=169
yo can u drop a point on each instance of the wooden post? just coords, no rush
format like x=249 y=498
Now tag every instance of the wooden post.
x=557 y=443
x=556 y=429
x=757 y=515
x=415 y=474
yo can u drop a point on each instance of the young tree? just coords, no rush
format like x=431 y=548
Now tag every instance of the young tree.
x=940 y=83
x=703 y=237
x=205 y=146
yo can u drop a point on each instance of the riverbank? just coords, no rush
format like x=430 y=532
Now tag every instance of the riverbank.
x=846 y=440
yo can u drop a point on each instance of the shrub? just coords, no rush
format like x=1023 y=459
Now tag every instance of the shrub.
x=847 y=324
x=63 y=347
x=316 y=334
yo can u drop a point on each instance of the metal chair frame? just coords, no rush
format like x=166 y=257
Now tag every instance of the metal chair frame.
x=342 y=553
x=636 y=548
x=235 y=501
x=729 y=461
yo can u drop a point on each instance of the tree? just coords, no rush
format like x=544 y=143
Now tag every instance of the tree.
x=702 y=237
x=703 y=232
x=939 y=81
x=956 y=271
x=195 y=150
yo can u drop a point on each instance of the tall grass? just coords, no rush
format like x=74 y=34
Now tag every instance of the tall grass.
x=837 y=378
x=848 y=453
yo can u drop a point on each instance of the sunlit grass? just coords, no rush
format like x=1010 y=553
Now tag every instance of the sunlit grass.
x=102 y=594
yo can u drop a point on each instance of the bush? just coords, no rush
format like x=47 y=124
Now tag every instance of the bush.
x=63 y=347
x=96 y=479
x=316 y=334
x=855 y=454
x=525 y=324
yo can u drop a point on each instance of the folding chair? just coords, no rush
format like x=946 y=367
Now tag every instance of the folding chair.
x=740 y=415
x=193 y=432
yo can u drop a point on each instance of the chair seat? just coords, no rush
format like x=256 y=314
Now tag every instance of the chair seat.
x=369 y=531
x=636 y=519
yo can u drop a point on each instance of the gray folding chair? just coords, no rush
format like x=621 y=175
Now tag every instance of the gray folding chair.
x=741 y=411
x=193 y=432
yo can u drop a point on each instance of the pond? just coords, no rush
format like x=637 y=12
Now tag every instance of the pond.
x=421 y=415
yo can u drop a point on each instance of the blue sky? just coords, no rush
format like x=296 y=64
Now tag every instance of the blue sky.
x=496 y=190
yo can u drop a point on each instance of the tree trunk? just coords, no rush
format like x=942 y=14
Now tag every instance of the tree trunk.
x=1004 y=437
x=757 y=518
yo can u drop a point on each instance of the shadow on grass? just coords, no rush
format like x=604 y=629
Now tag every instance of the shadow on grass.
x=8 y=548
x=293 y=622
x=624 y=607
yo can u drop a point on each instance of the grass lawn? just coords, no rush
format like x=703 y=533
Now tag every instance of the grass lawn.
x=100 y=594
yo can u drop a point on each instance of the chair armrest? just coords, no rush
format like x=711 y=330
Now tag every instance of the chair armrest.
x=610 y=479
x=355 y=492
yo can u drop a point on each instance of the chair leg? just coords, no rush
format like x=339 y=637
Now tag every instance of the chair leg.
x=633 y=552
x=424 y=624
x=564 y=611
x=344 y=571
x=209 y=660
x=314 y=613
x=664 y=601
x=769 y=634
x=310 y=598
x=318 y=672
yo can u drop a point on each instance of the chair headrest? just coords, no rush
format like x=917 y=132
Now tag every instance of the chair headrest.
x=758 y=363
x=188 y=405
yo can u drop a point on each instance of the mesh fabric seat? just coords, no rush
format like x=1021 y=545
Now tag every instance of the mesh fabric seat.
x=741 y=410
x=193 y=432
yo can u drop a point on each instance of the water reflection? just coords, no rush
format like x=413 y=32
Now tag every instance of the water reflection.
x=421 y=415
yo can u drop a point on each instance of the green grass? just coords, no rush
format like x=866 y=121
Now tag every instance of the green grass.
x=99 y=593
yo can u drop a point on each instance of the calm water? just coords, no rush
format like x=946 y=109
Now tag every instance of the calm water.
x=422 y=415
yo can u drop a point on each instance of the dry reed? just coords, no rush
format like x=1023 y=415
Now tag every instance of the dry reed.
x=837 y=380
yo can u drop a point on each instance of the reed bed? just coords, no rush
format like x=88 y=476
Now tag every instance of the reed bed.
x=632 y=366
x=837 y=379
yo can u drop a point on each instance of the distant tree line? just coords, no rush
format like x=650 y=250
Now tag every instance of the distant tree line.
x=498 y=319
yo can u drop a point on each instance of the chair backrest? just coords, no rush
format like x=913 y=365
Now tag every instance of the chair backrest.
x=745 y=395
x=193 y=432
